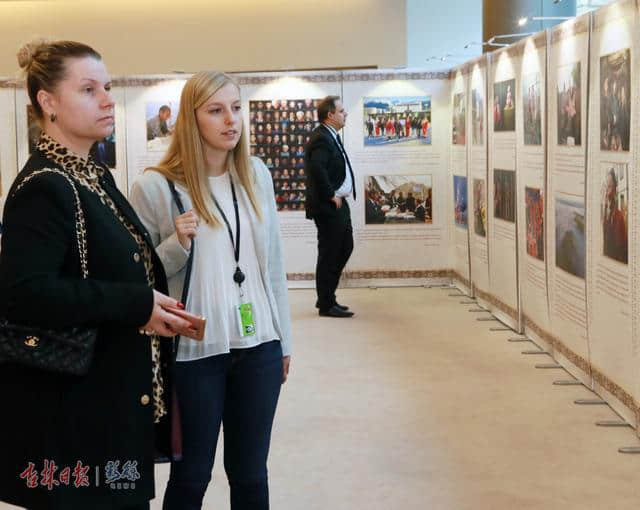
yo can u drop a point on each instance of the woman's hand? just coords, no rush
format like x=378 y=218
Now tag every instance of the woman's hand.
x=286 y=361
x=187 y=228
x=162 y=322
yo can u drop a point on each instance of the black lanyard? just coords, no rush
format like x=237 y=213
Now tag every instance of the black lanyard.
x=238 y=275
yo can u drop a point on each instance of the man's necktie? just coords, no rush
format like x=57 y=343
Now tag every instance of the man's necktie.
x=353 y=181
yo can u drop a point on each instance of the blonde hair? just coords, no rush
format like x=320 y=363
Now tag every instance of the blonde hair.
x=184 y=161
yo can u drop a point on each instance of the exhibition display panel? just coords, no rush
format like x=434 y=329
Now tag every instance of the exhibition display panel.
x=504 y=99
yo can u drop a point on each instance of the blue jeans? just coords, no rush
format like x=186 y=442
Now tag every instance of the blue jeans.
x=240 y=390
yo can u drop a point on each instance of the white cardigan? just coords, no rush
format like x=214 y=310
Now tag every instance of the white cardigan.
x=152 y=200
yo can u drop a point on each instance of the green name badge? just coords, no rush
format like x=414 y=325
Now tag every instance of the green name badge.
x=245 y=320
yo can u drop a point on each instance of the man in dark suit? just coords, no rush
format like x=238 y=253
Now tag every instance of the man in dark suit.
x=329 y=182
x=104 y=152
x=373 y=213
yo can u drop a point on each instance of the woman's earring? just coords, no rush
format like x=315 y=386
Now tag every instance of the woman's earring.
x=53 y=117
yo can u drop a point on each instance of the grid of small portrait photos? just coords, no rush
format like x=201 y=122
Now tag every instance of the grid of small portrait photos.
x=279 y=130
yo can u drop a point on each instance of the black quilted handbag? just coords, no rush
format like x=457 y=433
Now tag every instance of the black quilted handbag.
x=63 y=351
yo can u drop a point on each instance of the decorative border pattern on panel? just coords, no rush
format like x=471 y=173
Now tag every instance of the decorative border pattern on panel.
x=243 y=79
x=383 y=274
x=570 y=28
x=608 y=13
x=386 y=273
x=462 y=279
x=514 y=50
x=511 y=312
x=269 y=78
x=481 y=294
x=146 y=82
x=299 y=277
x=528 y=322
x=468 y=67
x=614 y=389
x=382 y=76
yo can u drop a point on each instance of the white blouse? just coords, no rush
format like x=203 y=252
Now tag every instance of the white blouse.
x=213 y=293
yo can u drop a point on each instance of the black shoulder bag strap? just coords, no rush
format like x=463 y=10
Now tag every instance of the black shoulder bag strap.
x=187 y=275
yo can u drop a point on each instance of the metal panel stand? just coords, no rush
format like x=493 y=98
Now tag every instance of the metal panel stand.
x=612 y=423
x=569 y=382
x=590 y=402
x=629 y=449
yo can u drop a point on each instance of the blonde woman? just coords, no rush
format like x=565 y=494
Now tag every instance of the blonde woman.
x=234 y=375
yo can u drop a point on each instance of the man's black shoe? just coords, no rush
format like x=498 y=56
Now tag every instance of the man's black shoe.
x=342 y=307
x=334 y=311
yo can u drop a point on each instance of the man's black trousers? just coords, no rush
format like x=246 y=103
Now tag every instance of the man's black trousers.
x=335 y=244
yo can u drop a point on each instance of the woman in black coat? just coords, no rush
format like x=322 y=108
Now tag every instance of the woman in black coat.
x=81 y=442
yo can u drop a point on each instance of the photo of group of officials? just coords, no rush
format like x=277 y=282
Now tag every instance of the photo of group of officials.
x=103 y=152
x=532 y=109
x=459 y=131
x=569 y=105
x=504 y=195
x=614 y=211
x=480 y=207
x=460 y=200
x=534 y=207
x=161 y=119
x=392 y=120
x=398 y=199
x=615 y=101
x=504 y=106
x=278 y=132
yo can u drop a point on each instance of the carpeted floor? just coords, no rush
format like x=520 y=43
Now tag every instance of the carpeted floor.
x=415 y=405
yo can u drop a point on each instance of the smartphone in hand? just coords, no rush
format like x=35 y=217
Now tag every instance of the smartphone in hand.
x=198 y=324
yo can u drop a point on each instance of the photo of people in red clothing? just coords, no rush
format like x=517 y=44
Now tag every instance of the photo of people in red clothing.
x=534 y=207
x=504 y=106
x=614 y=211
x=459 y=134
x=532 y=114
x=480 y=207
x=477 y=116
x=615 y=101
x=393 y=120
x=569 y=105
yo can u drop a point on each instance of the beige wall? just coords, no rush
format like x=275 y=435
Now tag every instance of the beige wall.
x=159 y=36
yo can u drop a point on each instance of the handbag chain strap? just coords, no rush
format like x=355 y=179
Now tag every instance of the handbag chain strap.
x=80 y=226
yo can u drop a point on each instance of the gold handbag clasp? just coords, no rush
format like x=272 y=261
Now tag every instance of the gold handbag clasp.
x=32 y=341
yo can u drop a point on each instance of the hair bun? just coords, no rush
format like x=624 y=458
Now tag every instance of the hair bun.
x=27 y=53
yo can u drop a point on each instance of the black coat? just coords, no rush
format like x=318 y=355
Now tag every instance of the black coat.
x=373 y=212
x=325 y=170
x=105 y=415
